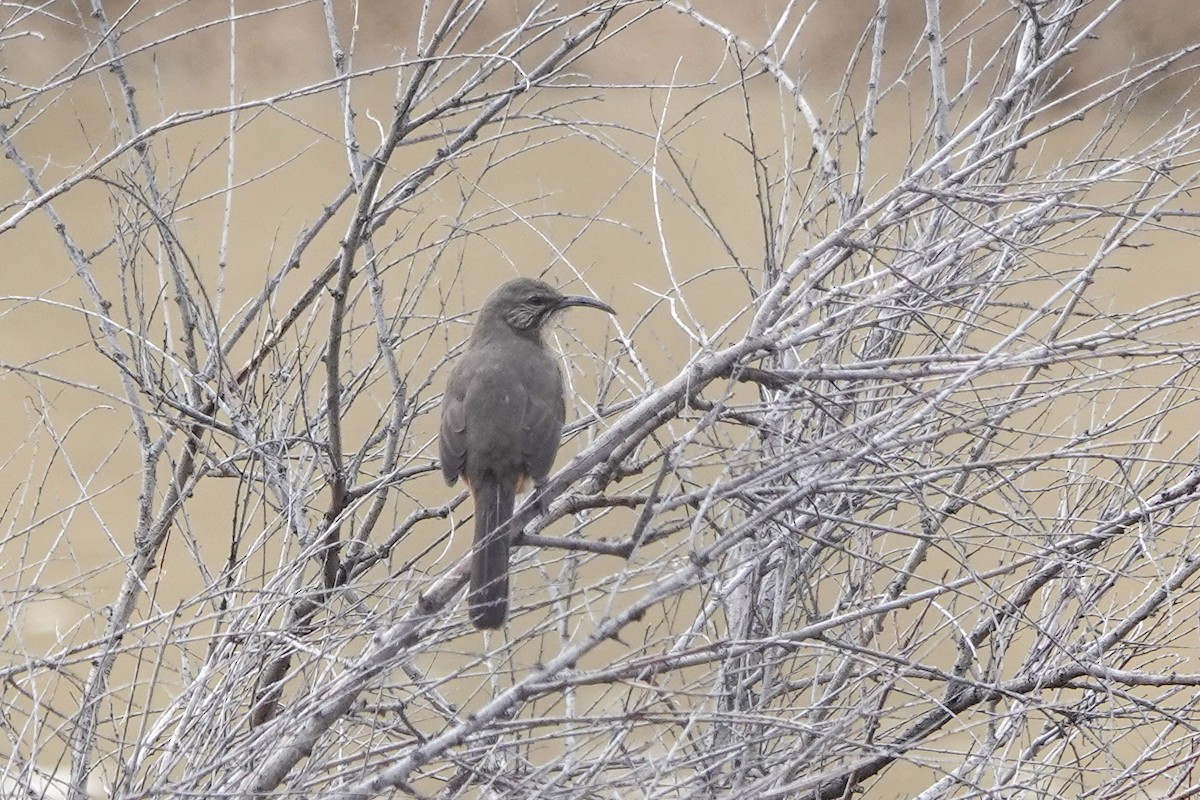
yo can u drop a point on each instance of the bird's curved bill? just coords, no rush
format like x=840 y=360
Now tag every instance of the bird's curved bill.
x=583 y=300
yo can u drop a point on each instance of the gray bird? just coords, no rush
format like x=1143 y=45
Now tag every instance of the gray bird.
x=502 y=419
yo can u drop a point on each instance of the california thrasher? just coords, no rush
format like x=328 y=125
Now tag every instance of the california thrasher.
x=502 y=419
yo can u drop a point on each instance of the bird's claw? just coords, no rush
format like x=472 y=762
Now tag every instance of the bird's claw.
x=539 y=497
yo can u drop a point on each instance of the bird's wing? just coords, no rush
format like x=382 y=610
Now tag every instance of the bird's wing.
x=542 y=424
x=452 y=436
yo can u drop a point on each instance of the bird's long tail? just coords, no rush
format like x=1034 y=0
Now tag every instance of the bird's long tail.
x=488 y=598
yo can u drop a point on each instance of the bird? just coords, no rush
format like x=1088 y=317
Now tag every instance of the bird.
x=502 y=418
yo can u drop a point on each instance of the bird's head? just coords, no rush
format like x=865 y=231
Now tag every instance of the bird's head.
x=525 y=305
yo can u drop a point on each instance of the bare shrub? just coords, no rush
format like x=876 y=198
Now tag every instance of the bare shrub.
x=887 y=466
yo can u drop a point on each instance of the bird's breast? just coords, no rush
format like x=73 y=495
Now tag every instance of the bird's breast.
x=513 y=400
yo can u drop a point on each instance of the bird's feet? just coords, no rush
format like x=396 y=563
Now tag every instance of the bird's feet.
x=540 y=497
